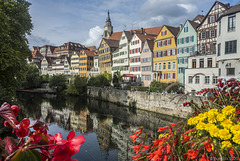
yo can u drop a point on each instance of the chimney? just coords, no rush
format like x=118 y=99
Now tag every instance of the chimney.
x=181 y=26
x=142 y=30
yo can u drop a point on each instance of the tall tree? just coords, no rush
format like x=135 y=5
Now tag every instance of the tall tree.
x=15 y=24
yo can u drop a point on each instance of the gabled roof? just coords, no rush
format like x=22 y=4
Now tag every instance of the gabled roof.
x=91 y=48
x=231 y=10
x=112 y=43
x=129 y=35
x=173 y=30
x=199 y=17
x=150 y=43
x=89 y=53
x=143 y=37
x=194 y=24
x=151 y=31
x=224 y=5
x=116 y=36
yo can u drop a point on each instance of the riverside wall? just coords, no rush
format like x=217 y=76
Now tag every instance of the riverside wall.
x=169 y=104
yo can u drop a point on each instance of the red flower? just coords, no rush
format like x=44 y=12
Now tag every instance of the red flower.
x=203 y=158
x=145 y=147
x=67 y=148
x=172 y=124
x=192 y=154
x=161 y=129
x=35 y=138
x=231 y=152
x=238 y=112
x=185 y=138
x=136 y=148
x=209 y=147
x=133 y=137
x=227 y=93
x=23 y=130
x=189 y=131
x=15 y=109
x=168 y=148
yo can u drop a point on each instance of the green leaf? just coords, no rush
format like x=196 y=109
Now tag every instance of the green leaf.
x=27 y=155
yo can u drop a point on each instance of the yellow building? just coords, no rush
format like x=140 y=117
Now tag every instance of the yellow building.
x=106 y=48
x=85 y=62
x=74 y=70
x=165 y=55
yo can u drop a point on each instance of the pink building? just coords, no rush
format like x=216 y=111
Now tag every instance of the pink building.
x=146 y=62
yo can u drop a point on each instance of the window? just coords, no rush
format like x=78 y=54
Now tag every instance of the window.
x=197 y=80
x=169 y=65
x=201 y=62
x=207 y=78
x=219 y=49
x=160 y=66
x=214 y=81
x=169 y=76
x=212 y=33
x=212 y=19
x=193 y=63
x=230 y=47
x=164 y=66
x=155 y=66
x=209 y=62
x=189 y=79
x=186 y=29
x=219 y=72
x=231 y=23
x=203 y=35
x=169 y=41
x=230 y=71
x=219 y=28
x=174 y=65
x=203 y=47
x=174 y=76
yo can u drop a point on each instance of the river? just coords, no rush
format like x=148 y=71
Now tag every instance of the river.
x=105 y=126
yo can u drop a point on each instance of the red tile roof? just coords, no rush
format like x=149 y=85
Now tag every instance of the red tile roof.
x=89 y=53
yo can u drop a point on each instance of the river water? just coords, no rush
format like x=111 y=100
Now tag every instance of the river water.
x=105 y=126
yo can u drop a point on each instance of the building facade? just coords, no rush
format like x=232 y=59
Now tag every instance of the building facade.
x=85 y=62
x=165 y=55
x=228 y=43
x=202 y=72
x=146 y=62
x=186 y=45
x=75 y=63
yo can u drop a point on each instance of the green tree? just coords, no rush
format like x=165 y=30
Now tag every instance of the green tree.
x=58 y=82
x=15 y=22
x=108 y=76
x=33 y=78
x=80 y=84
x=116 y=79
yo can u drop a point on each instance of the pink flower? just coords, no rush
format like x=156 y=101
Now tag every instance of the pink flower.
x=65 y=149
x=23 y=130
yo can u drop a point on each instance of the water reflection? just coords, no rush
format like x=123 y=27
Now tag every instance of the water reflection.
x=105 y=126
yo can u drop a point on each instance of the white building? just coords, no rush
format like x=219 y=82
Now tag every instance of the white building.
x=228 y=43
x=135 y=48
x=94 y=71
x=121 y=56
x=202 y=72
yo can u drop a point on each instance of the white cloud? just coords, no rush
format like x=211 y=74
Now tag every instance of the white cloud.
x=189 y=7
x=94 y=36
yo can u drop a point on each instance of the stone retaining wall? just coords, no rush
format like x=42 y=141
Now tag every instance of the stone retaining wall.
x=155 y=102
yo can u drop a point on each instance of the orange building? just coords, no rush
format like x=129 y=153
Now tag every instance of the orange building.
x=85 y=62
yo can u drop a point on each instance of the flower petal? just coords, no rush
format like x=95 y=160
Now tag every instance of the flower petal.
x=71 y=135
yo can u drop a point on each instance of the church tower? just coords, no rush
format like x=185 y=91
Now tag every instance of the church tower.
x=108 y=29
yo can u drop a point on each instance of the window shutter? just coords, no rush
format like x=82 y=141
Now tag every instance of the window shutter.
x=171 y=52
x=175 y=51
x=161 y=33
x=166 y=32
x=153 y=55
x=177 y=41
x=207 y=34
x=157 y=44
x=208 y=19
x=199 y=36
x=138 y=41
x=165 y=42
x=170 y=41
x=161 y=43
x=139 y=49
x=192 y=38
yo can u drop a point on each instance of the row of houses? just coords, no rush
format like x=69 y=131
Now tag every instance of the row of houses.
x=194 y=54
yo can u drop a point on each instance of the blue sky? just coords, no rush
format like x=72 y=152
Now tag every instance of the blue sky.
x=82 y=21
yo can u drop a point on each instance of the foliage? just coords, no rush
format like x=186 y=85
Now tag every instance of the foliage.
x=80 y=84
x=45 y=78
x=33 y=141
x=212 y=133
x=161 y=87
x=15 y=22
x=116 y=79
x=58 y=82
x=100 y=80
x=71 y=89
x=140 y=88
x=33 y=78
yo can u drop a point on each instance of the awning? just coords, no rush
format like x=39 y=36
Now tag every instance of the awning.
x=128 y=75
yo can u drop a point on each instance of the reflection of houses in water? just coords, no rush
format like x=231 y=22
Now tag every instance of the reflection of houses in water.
x=81 y=121
x=120 y=136
x=52 y=115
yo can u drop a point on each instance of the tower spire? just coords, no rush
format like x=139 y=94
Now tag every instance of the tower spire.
x=108 y=18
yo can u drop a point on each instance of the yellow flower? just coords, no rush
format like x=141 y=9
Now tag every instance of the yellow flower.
x=212 y=119
x=224 y=134
x=201 y=117
x=193 y=121
x=228 y=110
x=226 y=144
x=220 y=117
x=235 y=129
x=209 y=126
x=214 y=131
x=227 y=124
x=236 y=138
x=213 y=112
x=201 y=126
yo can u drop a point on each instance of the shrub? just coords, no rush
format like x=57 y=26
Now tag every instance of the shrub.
x=58 y=82
x=212 y=132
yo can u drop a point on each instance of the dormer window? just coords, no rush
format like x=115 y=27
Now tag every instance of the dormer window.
x=212 y=19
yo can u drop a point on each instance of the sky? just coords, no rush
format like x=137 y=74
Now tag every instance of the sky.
x=82 y=21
